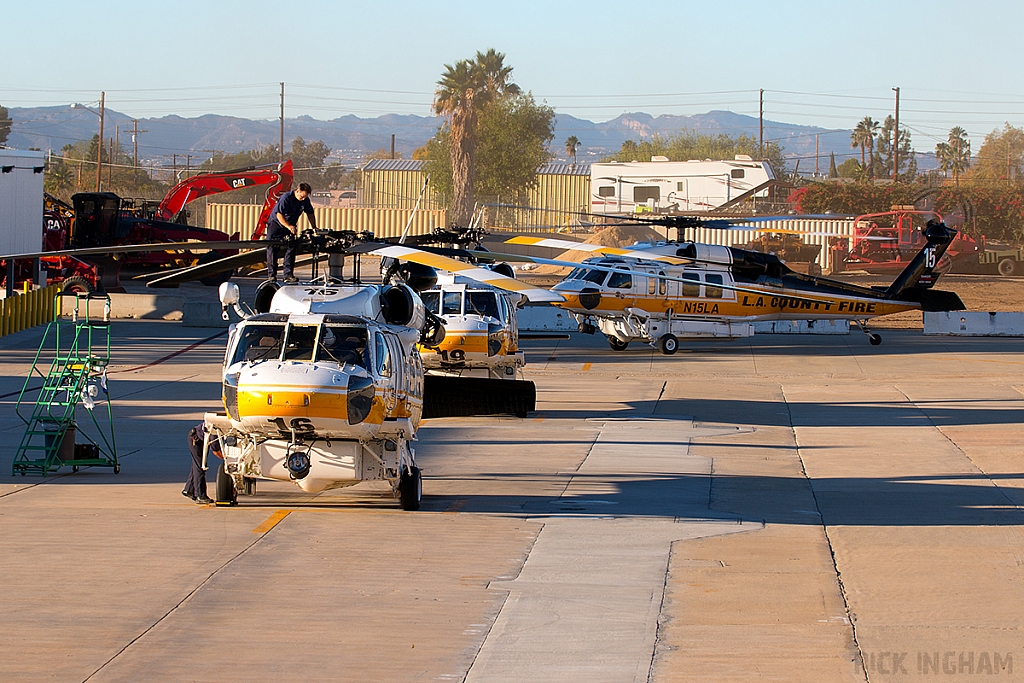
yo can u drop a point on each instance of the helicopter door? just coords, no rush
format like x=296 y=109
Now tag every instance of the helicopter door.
x=385 y=366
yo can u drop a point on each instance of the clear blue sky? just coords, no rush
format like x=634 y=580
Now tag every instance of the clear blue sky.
x=820 y=63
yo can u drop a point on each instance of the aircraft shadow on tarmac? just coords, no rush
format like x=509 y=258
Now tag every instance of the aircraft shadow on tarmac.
x=813 y=414
x=955 y=500
x=896 y=341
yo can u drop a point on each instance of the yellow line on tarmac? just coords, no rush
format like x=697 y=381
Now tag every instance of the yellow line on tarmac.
x=271 y=521
x=586 y=367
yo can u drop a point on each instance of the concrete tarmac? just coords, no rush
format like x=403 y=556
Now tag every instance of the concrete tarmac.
x=789 y=508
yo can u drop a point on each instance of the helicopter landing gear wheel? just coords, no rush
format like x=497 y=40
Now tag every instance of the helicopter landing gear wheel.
x=226 y=494
x=668 y=344
x=874 y=339
x=410 y=489
x=617 y=344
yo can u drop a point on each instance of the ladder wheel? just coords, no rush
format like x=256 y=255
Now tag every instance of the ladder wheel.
x=117 y=468
x=74 y=468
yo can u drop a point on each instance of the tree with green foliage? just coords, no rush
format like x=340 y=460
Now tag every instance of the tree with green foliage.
x=513 y=133
x=692 y=145
x=571 y=143
x=833 y=172
x=954 y=155
x=1001 y=156
x=851 y=168
x=907 y=158
x=5 y=125
x=863 y=136
x=493 y=139
x=465 y=89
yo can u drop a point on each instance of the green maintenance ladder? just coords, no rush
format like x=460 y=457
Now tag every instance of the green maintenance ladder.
x=76 y=374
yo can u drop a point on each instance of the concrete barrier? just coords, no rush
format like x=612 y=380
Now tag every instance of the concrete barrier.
x=974 y=324
x=206 y=314
x=146 y=306
x=802 y=327
x=545 y=319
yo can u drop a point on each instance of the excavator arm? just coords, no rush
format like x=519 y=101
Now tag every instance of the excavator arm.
x=279 y=178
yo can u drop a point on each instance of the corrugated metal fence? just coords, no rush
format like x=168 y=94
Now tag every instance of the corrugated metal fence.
x=811 y=230
x=28 y=309
x=242 y=218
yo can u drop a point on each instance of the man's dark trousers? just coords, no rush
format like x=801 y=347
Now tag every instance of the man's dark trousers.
x=195 y=485
x=276 y=231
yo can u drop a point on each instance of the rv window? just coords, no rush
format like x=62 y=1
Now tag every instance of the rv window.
x=687 y=288
x=595 y=276
x=607 y=191
x=342 y=345
x=643 y=193
x=736 y=173
x=713 y=292
x=680 y=186
x=452 y=303
x=300 y=342
x=481 y=303
x=431 y=301
x=259 y=342
x=620 y=281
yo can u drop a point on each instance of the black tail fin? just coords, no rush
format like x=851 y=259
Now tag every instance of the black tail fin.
x=920 y=272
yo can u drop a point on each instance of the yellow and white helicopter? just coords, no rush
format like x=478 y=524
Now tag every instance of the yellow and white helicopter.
x=323 y=384
x=661 y=292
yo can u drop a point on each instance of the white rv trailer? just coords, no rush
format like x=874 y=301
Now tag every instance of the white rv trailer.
x=660 y=184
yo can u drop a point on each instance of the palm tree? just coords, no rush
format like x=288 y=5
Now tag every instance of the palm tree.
x=464 y=89
x=571 y=143
x=954 y=156
x=864 y=137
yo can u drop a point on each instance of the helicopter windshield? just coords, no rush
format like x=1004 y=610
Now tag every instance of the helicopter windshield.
x=481 y=303
x=343 y=344
x=432 y=301
x=259 y=342
x=300 y=342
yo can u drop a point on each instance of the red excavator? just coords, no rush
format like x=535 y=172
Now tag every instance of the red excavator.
x=103 y=219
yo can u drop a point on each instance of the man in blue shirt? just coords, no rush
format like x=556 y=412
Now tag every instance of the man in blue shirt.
x=283 y=223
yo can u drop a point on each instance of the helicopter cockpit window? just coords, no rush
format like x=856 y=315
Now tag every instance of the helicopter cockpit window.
x=258 y=342
x=432 y=301
x=342 y=345
x=451 y=303
x=482 y=303
x=383 y=356
x=300 y=342
x=710 y=291
x=620 y=281
x=690 y=289
x=595 y=276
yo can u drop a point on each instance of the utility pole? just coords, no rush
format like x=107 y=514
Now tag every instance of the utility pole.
x=110 y=164
x=135 y=150
x=281 y=159
x=392 y=145
x=99 y=145
x=174 y=165
x=815 y=155
x=896 y=140
x=188 y=164
x=761 y=118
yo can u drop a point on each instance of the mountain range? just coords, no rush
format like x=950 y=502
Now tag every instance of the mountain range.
x=352 y=137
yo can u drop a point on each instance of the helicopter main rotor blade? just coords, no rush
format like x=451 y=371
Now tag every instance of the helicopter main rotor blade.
x=596 y=248
x=462 y=268
x=207 y=269
x=140 y=248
